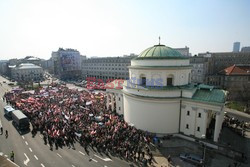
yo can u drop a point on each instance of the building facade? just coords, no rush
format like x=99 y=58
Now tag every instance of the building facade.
x=113 y=67
x=236 y=47
x=27 y=72
x=183 y=51
x=158 y=97
x=245 y=49
x=199 y=69
x=66 y=64
x=3 y=67
x=206 y=66
x=236 y=79
x=220 y=61
x=107 y=67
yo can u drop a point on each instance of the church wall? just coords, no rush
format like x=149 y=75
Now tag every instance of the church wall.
x=162 y=62
x=160 y=116
x=159 y=77
x=187 y=121
x=200 y=122
x=192 y=124
x=153 y=93
x=119 y=103
x=193 y=120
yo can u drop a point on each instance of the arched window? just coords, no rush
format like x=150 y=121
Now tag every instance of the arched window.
x=143 y=79
x=170 y=80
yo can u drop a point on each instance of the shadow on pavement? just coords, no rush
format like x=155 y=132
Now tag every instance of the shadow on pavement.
x=7 y=118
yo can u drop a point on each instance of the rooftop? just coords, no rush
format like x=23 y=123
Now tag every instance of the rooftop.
x=214 y=95
x=33 y=58
x=236 y=69
x=160 y=52
x=28 y=66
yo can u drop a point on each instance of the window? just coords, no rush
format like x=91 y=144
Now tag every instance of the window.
x=143 y=80
x=188 y=112
x=199 y=115
x=187 y=126
x=119 y=99
x=198 y=128
x=169 y=81
x=119 y=108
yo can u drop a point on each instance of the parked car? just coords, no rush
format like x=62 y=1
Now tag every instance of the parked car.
x=192 y=158
x=8 y=110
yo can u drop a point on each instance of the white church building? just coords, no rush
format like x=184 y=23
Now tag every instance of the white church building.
x=158 y=97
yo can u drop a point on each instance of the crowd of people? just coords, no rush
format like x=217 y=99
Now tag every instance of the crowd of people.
x=65 y=116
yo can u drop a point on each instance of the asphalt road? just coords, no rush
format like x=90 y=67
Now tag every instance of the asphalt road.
x=237 y=114
x=32 y=151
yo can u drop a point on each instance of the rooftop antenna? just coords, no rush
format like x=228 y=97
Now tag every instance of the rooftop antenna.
x=159 y=40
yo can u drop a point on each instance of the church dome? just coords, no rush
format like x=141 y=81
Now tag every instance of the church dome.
x=160 y=52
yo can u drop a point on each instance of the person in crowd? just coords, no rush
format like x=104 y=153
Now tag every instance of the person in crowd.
x=6 y=134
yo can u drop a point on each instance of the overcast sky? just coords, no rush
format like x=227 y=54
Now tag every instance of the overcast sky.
x=118 y=27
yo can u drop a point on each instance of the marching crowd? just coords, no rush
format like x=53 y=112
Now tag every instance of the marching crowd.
x=65 y=116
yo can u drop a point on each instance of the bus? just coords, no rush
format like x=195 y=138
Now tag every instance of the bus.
x=20 y=121
x=8 y=110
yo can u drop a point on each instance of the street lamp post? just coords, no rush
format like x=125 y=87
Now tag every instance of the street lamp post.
x=204 y=147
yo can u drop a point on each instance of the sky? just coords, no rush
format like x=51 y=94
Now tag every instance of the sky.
x=120 y=27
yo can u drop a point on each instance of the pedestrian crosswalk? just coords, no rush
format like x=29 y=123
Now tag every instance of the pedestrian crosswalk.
x=1 y=153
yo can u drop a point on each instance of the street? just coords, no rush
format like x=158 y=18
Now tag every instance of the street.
x=32 y=152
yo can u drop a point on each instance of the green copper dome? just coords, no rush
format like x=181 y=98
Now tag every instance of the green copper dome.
x=160 y=52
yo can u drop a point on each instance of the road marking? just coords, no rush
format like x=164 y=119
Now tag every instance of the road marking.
x=30 y=149
x=13 y=163
x=42 y=165
x=81 y=153
x=104 y=159
x=36 y=157
x=48 y=145
x=94 y=160
x=6 y=155
x=59 y=155
x=23 y=137
x=73 y=165
x=1 y=153
x=41 y=136
x=27 y=159
x=26 y=143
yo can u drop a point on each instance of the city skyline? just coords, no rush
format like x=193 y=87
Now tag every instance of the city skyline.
x=112 y=28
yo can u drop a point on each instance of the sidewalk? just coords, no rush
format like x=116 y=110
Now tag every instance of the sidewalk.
x=238 y=113
x=4 y=162
x=161 y=161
